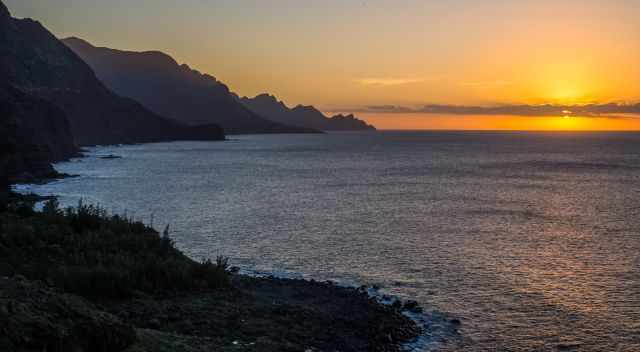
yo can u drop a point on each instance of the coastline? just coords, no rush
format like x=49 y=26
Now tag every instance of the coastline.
x=253 y=314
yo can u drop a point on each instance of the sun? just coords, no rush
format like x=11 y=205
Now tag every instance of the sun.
x=567 y=94
x=567 y=85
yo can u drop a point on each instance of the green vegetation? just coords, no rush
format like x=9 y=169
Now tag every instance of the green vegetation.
x=86 y=251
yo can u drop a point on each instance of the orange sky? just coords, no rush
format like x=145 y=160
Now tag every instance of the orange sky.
x=336 y=54
x=420 y=121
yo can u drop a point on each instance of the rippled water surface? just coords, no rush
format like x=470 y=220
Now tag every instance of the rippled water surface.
x=532 y=240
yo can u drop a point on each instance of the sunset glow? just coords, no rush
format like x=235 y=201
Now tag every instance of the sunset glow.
x=501 y=123
x=320 y=175
x=343 y=55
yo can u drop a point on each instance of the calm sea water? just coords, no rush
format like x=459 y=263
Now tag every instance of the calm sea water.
x=532 y=240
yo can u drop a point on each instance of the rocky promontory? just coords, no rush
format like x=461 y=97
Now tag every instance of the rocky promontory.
x=302 y=115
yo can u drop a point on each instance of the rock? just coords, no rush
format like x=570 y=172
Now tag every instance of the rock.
x=568 y=346
x=412 y=306
x=396 y=304
x=110 y=156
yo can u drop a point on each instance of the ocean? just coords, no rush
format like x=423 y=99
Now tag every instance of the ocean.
x=531 y=240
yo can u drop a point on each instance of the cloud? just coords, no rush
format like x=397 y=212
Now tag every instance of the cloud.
x=389 y=108
x=386 y=82
x=486 y=84
x=612 y=110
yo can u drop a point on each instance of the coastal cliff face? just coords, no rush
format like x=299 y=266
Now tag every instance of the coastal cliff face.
x=162 y=85
x=35 y=134
x=305 y=116
x=34 y=61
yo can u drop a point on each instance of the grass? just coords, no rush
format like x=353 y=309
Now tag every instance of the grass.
x=84 y=250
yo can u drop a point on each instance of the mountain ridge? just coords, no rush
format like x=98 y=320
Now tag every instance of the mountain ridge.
x=34 y=61
x=171 y=89
x=301 y=115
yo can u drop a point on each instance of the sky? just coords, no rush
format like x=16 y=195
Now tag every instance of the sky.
x=343 y=55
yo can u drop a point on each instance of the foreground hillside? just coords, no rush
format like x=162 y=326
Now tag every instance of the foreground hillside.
x=81 y=280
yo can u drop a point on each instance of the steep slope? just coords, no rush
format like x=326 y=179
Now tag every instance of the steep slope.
x=304 y=116
x=169 y=89
x=34 y=61
x=34 y=133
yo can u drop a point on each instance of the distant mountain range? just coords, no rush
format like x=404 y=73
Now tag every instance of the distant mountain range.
x=305 y=116
x=157 y=81
x=35 y=62
x=177 y=91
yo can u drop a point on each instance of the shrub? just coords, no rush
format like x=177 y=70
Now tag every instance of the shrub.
x=212 y=275
x=51 y=208
x=85 y=250
x=94 y=282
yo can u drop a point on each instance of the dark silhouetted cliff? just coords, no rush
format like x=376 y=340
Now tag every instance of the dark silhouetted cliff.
x=304 y=116
x=34 y=61
x=348 y=122
x=156 y=80
x=35 y=133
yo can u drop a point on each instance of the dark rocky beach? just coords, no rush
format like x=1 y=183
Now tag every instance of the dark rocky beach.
x=270 y=314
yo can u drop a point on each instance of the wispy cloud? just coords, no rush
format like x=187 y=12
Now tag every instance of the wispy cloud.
x=389 y=109
x=386 y=82
x=611 y=110
x=486 y=84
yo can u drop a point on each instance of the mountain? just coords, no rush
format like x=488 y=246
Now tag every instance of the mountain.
x=348 y=122
x=304 y=116
x=35 y=133
x=35 y=62
x=170 y=89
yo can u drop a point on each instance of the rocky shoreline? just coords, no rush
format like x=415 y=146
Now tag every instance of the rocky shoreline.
x=256 y=314
x=271 y=314
x=109 y=301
